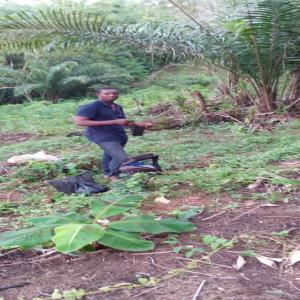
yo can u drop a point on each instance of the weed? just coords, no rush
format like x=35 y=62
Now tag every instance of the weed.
x=216 y=243
x=172 y=239
x=283 y=233
x=188 y=251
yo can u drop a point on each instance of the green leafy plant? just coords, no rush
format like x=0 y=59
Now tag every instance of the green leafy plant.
x=282 y=233
x=187 y=214
x=188 y=251
x=256 y=43
x=215 y=242
x=71 y=232
x=248 y=253
x=7 y=207
x=171 y=240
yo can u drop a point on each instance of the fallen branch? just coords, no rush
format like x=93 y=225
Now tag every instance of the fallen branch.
x=204 y=262
x=199 y=290
x=247 y=212
x=215 y=215
x=189 y=271
x=224 y=115
x=13 y=286
x=149 y=290
x=292 y=104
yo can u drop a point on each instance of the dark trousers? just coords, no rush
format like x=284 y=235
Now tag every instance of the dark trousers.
x=114 y=155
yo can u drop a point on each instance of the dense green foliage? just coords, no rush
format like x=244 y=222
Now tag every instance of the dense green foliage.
x=71 y=74
x=257 y=43
x=207 y=158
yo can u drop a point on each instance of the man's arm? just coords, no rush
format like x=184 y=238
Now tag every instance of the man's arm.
x=84 y=121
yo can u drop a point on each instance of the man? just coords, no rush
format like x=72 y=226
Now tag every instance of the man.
x=105 y=123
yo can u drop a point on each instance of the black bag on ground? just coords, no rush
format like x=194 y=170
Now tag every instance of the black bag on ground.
x=141 y=163
x=80 y=184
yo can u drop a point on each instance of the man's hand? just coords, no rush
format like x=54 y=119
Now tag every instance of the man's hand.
x=146 y=125
x=123 y=122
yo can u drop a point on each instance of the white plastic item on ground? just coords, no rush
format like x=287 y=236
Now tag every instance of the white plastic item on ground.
x=162 y=200
x=38 y=156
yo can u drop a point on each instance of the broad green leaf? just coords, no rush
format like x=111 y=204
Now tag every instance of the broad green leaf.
x=178 y=226
x=148 y=224
x=124 y=241
x=72 y=237
x=101 y=210
x=190 y=213
x=239 y=27
x=58 y=220
x=25 y=237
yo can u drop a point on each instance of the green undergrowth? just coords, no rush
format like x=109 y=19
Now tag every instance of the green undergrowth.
x=212 y=158
x=46 y=118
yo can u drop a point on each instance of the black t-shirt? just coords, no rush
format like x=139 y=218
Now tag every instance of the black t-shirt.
x=100 y=111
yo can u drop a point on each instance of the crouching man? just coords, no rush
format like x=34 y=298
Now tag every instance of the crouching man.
x=105 y=122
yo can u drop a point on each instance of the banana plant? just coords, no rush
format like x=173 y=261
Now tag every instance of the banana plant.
x=72 y=232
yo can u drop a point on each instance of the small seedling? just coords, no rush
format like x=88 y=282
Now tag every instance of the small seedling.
x=283 y=233
x=187 y=214
x=188 y=251
x=215 y=242
x=248 y=253
x=171 y=240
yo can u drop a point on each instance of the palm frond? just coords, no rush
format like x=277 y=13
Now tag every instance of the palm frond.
x=28 y=88
x=53 y=21
x=51 y=27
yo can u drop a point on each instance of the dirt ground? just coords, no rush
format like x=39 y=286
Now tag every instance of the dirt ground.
x=36 y=274
x=14 y=138
x=251 y=224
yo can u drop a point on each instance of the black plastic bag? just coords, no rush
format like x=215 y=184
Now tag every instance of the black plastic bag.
x=80 y=184
x=137 y=130
x=147 y=162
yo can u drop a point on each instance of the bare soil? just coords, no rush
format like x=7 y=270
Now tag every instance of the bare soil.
x=252 y=224
x=13 y=196
x=14 y=138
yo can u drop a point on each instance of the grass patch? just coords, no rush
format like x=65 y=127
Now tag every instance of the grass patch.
x=237 y=157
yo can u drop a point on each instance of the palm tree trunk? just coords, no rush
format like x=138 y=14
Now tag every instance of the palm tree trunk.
x=267 y=99
x=293 y=91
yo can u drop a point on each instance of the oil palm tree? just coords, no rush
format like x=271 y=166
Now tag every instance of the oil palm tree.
x=259 y=44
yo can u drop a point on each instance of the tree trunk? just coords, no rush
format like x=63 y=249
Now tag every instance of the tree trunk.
x=267 y=100
x=200 y=102
x=15 y=60
x=292 y=93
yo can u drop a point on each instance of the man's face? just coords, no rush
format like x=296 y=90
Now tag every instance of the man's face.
x=108 y=95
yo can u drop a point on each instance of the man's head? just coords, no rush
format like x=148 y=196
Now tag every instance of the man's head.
x=107 y=94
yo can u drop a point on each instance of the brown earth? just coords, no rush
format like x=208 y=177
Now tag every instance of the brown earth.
x=14 y=138
x=13 y=196
x=251 y=224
